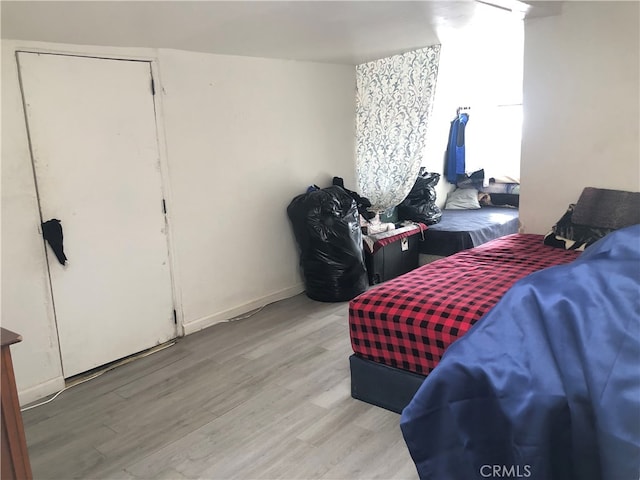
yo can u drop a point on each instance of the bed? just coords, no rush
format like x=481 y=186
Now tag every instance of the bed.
x=400 y=329
x=547 y=384
x=462 y=229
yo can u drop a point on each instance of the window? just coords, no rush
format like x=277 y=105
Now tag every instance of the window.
x=481 y=67
x=493 y=140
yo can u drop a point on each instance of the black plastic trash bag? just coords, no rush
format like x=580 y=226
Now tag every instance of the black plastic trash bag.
x=362 y=203
x=420 y=204
x=327 y=230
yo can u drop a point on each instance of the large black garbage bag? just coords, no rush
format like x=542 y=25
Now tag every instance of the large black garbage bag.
x=420 y=204
x=362 y=203
x=326 y=227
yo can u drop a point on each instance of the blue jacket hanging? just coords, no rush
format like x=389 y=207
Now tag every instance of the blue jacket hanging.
x=455 y=158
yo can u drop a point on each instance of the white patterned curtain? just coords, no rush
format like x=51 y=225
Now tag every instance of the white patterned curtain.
x=394 y=99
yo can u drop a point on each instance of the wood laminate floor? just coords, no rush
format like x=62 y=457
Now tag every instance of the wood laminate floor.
x=267 y=397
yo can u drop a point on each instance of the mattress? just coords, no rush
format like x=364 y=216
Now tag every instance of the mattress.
x=462 y=229
x=409 y=322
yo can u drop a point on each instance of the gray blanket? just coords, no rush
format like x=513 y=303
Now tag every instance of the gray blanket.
x=602 y=208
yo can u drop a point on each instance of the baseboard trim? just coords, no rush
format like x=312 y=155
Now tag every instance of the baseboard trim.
x=226 y=315
x=38 y=392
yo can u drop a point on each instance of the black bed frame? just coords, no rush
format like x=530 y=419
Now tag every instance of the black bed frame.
x=381 y=385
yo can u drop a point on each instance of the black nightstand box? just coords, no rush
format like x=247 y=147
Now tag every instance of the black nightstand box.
x=390 y=254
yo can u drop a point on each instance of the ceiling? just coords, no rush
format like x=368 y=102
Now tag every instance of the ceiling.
x=350 y=32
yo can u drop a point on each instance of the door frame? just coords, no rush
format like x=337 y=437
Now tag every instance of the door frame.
x=164 y=169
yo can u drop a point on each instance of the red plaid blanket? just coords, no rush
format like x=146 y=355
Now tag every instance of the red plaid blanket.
x=409 y=322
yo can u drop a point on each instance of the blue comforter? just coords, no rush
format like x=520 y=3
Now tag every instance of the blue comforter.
x=545 y=386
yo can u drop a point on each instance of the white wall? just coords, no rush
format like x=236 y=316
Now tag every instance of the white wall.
x=26 y=299
x=243 y=136
x=581 y=98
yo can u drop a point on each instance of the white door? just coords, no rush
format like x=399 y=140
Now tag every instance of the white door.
x=94 y=144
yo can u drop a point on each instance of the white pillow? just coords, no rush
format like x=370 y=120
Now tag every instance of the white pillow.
x=463 y=199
